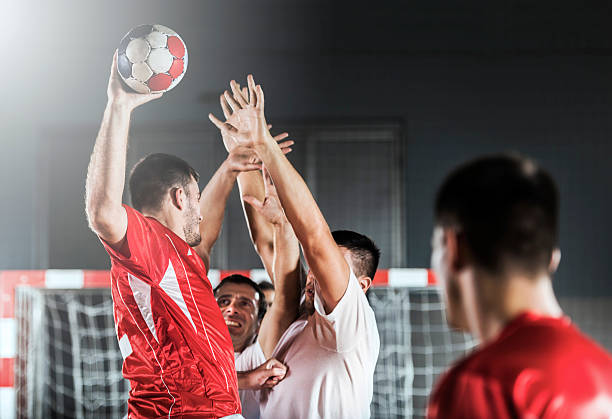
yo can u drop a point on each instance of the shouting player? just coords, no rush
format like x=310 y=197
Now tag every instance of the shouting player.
x=494 y=250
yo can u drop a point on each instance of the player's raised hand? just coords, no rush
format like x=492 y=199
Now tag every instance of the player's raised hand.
x=270 y=208
x=119 y=94
x=232 y=107
x=245 y=119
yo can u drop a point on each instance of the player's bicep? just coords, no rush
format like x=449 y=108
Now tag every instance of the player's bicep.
x=331 y=271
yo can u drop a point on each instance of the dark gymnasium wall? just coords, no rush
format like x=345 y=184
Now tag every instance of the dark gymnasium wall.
x=459 y=79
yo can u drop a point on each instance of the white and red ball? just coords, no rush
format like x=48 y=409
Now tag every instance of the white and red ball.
x=152 y=58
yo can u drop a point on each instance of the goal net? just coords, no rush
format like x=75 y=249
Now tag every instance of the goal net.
x=69 y=363
x=416 y=346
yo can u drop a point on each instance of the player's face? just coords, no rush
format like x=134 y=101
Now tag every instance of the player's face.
x=269 y=297
x=450 y=293
x=309 y=292
x=193 y=216
x=239 y=304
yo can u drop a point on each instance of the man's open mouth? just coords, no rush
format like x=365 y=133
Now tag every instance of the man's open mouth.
x=232 y=323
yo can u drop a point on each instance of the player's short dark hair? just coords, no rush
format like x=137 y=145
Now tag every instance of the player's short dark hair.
x=154 y=175
x=507 y=209
x=363 y=250
x=241 y=279
x=266 y=285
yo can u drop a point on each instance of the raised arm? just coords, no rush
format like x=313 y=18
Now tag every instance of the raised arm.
x=213 y=198
x=287 y=269
x=106 y=171
x=260 y=231
x=251 y=184
x=322 y=254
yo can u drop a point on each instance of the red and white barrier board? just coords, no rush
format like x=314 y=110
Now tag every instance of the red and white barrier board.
x=76 y=278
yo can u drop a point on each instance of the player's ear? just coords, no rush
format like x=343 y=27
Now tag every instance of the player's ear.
x=365 y=282
x=456 y=249
x=177 y=197
x=555 y=259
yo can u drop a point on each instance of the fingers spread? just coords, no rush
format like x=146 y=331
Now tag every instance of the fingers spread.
x=223 y=126
x=230 y=100
x=237 y=93
x=252 y=92
x=226 y=110
x=260 y=97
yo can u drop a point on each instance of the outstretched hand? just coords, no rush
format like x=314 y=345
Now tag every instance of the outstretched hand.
x=270 y=208
x=119 y=94
x=245 y=120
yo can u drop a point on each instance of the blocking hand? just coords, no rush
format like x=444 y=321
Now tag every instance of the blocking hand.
x=245 y=121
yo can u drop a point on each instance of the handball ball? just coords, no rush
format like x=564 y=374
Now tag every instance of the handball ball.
x=152 y=58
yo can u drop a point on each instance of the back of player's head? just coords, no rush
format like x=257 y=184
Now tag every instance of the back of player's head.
x=506 y=208
x=154 y=175
x=364 y=252
x=241 y=279
x=266 y=285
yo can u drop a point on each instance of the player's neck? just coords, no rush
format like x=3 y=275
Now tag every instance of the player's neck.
x=502 y=300
x=168 y=220
x=239 y=345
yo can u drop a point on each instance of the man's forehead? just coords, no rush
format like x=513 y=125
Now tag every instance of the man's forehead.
x=237 y=290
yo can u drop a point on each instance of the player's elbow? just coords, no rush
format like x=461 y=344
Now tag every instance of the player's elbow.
x=98 y=223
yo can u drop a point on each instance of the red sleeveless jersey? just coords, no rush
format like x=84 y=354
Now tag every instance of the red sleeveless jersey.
x=538 y=367
x=177 y=351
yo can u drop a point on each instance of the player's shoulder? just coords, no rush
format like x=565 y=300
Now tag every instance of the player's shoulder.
x=459 y=391
x=135 y=216
x=540 y=344
x=545 y=341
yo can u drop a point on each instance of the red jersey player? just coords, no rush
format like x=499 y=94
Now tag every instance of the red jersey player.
x=177 y=350
x=494 y=250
